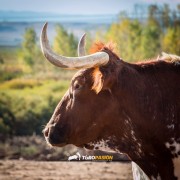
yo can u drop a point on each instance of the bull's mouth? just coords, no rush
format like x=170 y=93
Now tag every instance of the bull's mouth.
x=53 y=144
x=58 y=145
x=87 y=146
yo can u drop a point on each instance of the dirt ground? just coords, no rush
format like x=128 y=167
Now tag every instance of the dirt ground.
x=43 y=170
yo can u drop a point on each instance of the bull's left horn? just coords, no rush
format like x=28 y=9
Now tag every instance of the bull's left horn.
x=93 y=60
x=81 y=46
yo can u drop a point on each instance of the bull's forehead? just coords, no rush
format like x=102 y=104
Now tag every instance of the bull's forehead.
x=81 y=73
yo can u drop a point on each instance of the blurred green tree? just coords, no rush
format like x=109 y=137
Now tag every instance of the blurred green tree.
x=171 y=41
x=64 y=43
x=165 y=16
x=127 y=35
x=7 y=119
x=1 y=60
x=176 y=17
x=137 y=39
x=151 y=44
x=29 y=48
x=153 y=15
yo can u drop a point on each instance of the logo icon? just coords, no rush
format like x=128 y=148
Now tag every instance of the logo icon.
x=77 y=156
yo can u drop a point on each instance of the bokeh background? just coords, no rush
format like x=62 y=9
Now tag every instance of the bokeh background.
x=30 y=87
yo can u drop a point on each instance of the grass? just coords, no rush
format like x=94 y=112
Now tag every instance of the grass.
x=23 y=88
x=8 y=53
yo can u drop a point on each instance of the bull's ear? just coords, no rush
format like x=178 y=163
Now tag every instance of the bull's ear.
x=103 y=78
x=98 y=80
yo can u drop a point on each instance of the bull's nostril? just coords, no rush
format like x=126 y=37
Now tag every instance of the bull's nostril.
x=46 y=132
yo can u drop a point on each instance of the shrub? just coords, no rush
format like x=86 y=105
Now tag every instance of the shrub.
x=29 y=151
x=10 y=72
x=21 y=83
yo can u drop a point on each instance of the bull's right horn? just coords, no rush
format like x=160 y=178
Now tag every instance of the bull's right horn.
x=93 y=60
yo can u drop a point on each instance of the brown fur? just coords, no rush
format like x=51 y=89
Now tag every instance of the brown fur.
x=97 y=80
x=100 y=46
x=129 y=105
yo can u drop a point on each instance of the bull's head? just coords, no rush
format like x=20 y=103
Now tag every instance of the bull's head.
x=84 y=113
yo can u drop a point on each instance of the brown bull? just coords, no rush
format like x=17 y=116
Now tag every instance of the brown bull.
x=118 y=106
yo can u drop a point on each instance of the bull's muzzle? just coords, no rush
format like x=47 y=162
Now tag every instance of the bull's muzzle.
x=55 y=136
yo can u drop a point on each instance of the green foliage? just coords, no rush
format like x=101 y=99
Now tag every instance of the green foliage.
x=150 y=41
x=8 y=54
x=171 y=41
x=29 y=151
x=4 y=129
x=128 y=36
x=9 y=72
x=65 y=43
x=25 y=111
x=29 y=47
x=165 y=16
x=146 y=39
x=152 y=15
x=1 y=60
x=21 y=83
x=6 y=115
x=29 y=55
x=9 y=68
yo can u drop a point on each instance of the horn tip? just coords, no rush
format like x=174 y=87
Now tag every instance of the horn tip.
x=45 y=25
x=44 y=29
x=83 y=38
x=43 y=38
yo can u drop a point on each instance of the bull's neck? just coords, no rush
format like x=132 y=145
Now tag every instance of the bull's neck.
x=128 y=91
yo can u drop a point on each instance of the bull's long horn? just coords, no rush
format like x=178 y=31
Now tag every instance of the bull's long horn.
x=81 y=46
x=93 y=60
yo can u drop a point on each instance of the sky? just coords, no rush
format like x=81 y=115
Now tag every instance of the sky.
x=77 y=6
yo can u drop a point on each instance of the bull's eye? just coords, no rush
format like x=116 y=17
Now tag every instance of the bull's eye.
x=77 y=86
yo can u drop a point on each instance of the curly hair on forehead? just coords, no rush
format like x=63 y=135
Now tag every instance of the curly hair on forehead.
x=99 y=46
x=101 y=77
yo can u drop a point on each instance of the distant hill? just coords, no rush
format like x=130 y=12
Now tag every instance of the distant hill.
x=26 y=16
x=14 y=23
